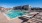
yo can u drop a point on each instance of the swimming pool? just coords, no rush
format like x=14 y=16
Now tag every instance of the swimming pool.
x=15 y=13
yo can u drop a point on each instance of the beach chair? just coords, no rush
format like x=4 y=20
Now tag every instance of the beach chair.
x=25 y=18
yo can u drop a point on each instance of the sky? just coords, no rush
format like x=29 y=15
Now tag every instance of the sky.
x=13 y=3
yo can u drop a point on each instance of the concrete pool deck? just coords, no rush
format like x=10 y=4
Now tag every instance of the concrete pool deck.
x=3 y=19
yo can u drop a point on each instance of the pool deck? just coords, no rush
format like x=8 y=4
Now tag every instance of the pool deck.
x=3 y=19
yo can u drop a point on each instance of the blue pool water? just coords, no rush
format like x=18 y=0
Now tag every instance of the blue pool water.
x=14 y=13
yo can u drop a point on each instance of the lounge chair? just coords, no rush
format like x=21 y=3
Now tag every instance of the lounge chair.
x=25 y=19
